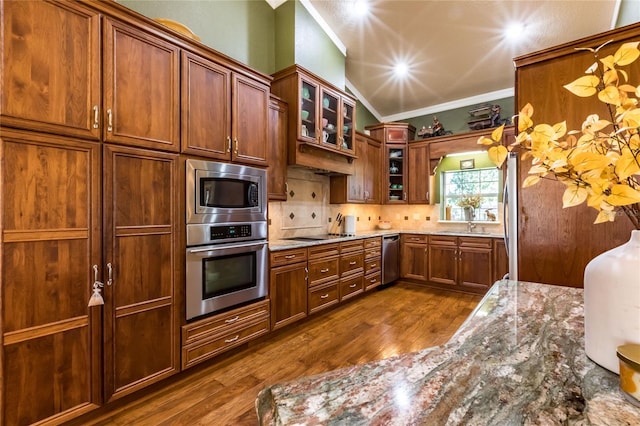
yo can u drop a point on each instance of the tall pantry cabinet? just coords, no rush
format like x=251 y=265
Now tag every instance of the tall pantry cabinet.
x=89 y=180
x=555 y=244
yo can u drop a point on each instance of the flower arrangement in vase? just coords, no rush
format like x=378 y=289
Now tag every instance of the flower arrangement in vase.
x=600 y=165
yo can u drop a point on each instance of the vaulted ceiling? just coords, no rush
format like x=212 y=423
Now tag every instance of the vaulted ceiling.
x=456 y=52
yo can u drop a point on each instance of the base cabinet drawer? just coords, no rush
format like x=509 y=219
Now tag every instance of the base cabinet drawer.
x=350 y=287
x=208 y=348
x=372 y=281
x=322 y=296
x=208 y=337
x=321 y=271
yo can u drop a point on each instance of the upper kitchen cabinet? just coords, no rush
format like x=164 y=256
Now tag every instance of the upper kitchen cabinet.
x=277 y=176
x=51 y=68
x=364 y=185
x=224 y=113
x=419 y=179
x=395 y=169
x=141 y=88
x=321 y=120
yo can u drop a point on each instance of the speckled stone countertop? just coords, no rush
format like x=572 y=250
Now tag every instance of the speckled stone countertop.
x=296 y=242
x=517 y=360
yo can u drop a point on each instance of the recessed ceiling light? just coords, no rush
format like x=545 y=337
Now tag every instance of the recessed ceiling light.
x=515 y=31
x=401 y=69
x=360 y=7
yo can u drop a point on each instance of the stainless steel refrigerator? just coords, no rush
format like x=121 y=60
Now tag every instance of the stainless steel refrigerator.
x=510 y=214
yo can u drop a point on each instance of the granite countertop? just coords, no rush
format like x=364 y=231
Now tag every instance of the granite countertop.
x=294 y=242
x=517 y=360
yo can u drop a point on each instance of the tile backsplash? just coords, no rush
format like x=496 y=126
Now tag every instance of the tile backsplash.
x=307 y=211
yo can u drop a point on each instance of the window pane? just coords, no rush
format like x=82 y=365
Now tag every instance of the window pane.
x=458 y=184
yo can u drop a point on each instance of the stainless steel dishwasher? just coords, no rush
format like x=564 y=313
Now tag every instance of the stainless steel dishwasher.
x=390 y=258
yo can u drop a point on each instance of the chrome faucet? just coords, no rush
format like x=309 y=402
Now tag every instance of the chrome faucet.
x=470 y=226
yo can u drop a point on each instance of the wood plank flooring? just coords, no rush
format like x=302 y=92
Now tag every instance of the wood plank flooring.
x=398 y=319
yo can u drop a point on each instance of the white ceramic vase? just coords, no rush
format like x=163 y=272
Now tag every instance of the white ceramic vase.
x=612 y=302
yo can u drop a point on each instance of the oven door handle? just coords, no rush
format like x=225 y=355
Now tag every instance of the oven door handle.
x=225 y=247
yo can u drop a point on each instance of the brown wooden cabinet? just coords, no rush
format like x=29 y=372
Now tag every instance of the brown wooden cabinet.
x=211 y=336
x=51 y=238
x=55 y=86
x=419 y=173
x=461 y=261
x=324 y=276
x=141 y=77
x=321 y=120
x=351 y=268
x=225 y=115
x=372 y=263
x=288 y=287
x=555 y=244
x=277 y=149
x=141 y=217
x=395 y=159
x=414 y=257
x=364 y=185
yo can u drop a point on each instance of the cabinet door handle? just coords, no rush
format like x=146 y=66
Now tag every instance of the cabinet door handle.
x=95 y=116
x=324 y=270
x=404 y=196
x=233 y=339
x=228 y=143
x=290 y=256
x=110 y=272
x=427 y=194
x=324 y=296
x=232 y=320
x=235 y=141
x=306 y=276
x=352 y=263
x=109 y=120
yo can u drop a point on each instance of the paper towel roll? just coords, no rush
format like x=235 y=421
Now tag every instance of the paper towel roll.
x=350 y=225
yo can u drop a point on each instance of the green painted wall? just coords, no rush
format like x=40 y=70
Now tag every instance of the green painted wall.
x=285 y=35
x=315 y=51
x=241 y=29
x=455 y=120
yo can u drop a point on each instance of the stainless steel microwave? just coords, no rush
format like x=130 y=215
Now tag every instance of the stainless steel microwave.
x=219 y=193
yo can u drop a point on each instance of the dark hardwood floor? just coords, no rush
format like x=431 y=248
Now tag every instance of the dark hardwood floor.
x=398 y=319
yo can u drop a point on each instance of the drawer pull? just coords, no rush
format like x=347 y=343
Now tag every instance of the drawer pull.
x=232 y=320
x=324 y=270
x=324 y=296
x=232 y=340
x=352 y=263
x=373 y=280
x=373 y=265
x=352 y=286
x=290 y=256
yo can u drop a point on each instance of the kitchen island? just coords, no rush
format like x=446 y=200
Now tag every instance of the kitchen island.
x=518 y=359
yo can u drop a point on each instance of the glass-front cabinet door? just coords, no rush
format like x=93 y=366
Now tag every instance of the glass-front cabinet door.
x=397 y=173
x=309 y=128
x=347 y=125
x=330 y=108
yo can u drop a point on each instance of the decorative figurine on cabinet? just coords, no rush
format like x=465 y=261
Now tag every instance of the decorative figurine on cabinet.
x=437 y=129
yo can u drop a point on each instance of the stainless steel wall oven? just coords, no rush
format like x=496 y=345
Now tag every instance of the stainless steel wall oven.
x=227 y=251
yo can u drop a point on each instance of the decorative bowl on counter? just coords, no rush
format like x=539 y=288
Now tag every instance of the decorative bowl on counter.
x=384 y=224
